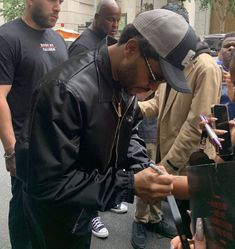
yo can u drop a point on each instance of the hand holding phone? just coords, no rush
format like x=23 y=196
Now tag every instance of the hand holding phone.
x=222 y=123
x=214 y=138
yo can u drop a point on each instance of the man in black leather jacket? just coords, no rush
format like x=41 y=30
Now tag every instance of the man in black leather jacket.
x=80 y=150
x=105 y=22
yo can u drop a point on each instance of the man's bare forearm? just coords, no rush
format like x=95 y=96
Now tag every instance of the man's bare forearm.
x=181 y=190
x=6 y=129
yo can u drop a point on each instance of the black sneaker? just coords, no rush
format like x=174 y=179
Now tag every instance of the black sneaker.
x=138 y=237
x=166 y=229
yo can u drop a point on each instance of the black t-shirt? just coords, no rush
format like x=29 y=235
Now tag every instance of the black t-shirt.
x=26 y=55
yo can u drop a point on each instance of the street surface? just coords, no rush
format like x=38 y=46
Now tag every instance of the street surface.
x=119 y=225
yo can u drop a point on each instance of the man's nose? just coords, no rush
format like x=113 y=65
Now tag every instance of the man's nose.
x=115 y=23
x=57 y=6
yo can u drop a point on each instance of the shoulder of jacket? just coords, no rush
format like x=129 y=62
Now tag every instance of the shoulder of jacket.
x=68 y=70
x=205 y=62
x=205 y=58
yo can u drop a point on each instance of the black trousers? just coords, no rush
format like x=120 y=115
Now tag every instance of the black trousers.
x=46 y=232
x=18 y=230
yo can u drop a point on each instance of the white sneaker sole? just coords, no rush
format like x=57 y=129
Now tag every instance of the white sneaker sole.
x=99 y=235
x=118 y=211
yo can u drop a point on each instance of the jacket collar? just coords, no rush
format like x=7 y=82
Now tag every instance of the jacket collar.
x=107 y=85
x=99 y=35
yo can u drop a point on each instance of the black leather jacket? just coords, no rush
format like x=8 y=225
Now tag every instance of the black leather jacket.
x=75 y=152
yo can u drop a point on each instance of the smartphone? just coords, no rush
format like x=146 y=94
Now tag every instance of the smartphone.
x=222 y=123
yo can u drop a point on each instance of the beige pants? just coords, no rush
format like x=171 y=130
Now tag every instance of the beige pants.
x=147 y=213
x=144 y=212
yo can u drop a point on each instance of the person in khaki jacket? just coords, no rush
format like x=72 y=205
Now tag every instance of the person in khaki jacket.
x=178 y=114
x=178 y=133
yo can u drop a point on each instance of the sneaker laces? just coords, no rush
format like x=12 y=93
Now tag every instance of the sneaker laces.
x=97 y=224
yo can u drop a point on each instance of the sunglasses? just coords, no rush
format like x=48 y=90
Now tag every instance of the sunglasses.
x=154 y=78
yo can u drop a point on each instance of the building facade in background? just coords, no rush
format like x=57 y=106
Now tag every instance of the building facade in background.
x=77 y=14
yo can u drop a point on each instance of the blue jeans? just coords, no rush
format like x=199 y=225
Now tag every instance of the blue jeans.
x=19 y=234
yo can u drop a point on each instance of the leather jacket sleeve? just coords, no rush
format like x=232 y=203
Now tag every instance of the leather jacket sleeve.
x=48 y=159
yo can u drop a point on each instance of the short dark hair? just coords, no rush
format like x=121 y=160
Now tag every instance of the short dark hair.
x=146 y=49
x=178 y=9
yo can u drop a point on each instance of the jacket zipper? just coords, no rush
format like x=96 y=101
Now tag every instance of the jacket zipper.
x=76 y=223
x=120 y=120
x=118 y=111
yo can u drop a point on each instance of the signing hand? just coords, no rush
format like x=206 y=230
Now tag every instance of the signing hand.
x=150 y=186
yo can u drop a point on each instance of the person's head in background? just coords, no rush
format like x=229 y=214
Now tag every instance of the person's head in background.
x=178 y=9
x=107 y=17
x=227 y=49
x=41 y=14
x=230 y=79
x=232 y=69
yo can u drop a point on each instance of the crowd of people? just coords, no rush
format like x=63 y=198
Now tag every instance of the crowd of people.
x=70 y=121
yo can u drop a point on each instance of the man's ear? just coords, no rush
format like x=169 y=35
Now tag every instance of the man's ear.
x=131 y=47
x=96 y=17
